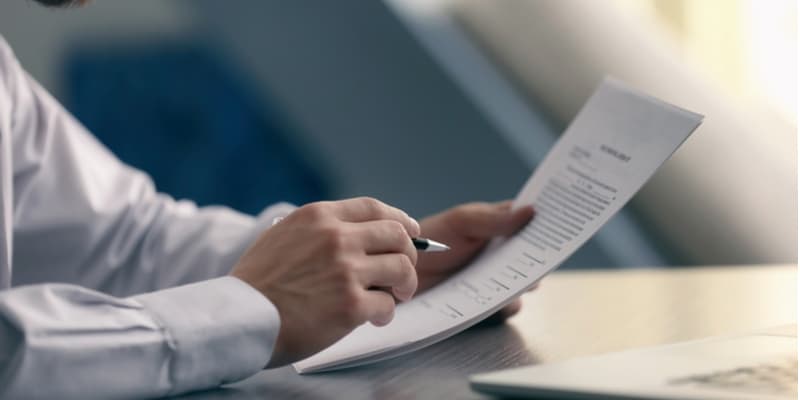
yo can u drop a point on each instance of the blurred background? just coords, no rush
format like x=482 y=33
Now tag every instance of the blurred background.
x=429 y=103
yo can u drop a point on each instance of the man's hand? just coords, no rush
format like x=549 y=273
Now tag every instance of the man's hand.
x=329 y=267
x=467 y=229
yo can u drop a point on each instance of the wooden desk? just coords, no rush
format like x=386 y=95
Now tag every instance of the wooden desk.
x=572 y=314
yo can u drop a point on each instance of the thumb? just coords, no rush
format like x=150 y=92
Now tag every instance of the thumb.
x=514 y=220
x=486 y=220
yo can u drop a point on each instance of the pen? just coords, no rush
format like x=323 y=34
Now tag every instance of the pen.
x=429 y=245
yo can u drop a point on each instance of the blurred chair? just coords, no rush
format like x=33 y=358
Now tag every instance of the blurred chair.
x=191 y=121
x=728 y=196
x=530 y=128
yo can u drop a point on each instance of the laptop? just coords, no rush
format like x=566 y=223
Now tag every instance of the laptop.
x=756 y=365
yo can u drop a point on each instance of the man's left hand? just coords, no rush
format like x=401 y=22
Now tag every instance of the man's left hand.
x=467 y=229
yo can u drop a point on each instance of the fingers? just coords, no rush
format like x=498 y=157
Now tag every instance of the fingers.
x=364 y=209
x=486 y=220
x=391 y=258
x=517 y=219
x=393 y=271
x=511 y=309
x=386 y=236
x=378 y=307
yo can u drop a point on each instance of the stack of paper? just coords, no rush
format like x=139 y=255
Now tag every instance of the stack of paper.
x=610 y=150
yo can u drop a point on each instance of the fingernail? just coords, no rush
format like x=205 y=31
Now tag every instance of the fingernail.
x=383 y=320
x=524 y=209
x=416 y=224
x=530 y=209
x=403 y=295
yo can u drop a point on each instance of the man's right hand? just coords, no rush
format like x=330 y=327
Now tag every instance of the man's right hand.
x=330 y=266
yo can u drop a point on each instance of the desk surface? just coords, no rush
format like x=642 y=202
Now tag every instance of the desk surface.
x=571 y=314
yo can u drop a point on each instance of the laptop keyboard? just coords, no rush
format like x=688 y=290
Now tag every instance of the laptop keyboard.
x=779 y=378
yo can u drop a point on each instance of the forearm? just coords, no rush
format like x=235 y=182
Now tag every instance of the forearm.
x=101 y=222
x=197 y=244
x=63 y=341
x=107 y=228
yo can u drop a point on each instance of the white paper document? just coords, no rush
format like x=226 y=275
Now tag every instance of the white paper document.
x=608 y=152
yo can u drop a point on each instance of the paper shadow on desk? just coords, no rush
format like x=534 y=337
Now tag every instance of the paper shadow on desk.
x=451 y=361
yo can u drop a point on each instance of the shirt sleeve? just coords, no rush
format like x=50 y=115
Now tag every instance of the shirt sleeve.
x=83 y=217
x=118 y=291
x=64 y=341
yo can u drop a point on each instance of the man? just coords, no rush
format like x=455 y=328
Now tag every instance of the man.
x=109 y=289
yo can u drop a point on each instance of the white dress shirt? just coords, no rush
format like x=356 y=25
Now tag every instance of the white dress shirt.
x=107 y=288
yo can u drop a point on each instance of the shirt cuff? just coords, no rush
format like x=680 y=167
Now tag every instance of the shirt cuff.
x=217 y=331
